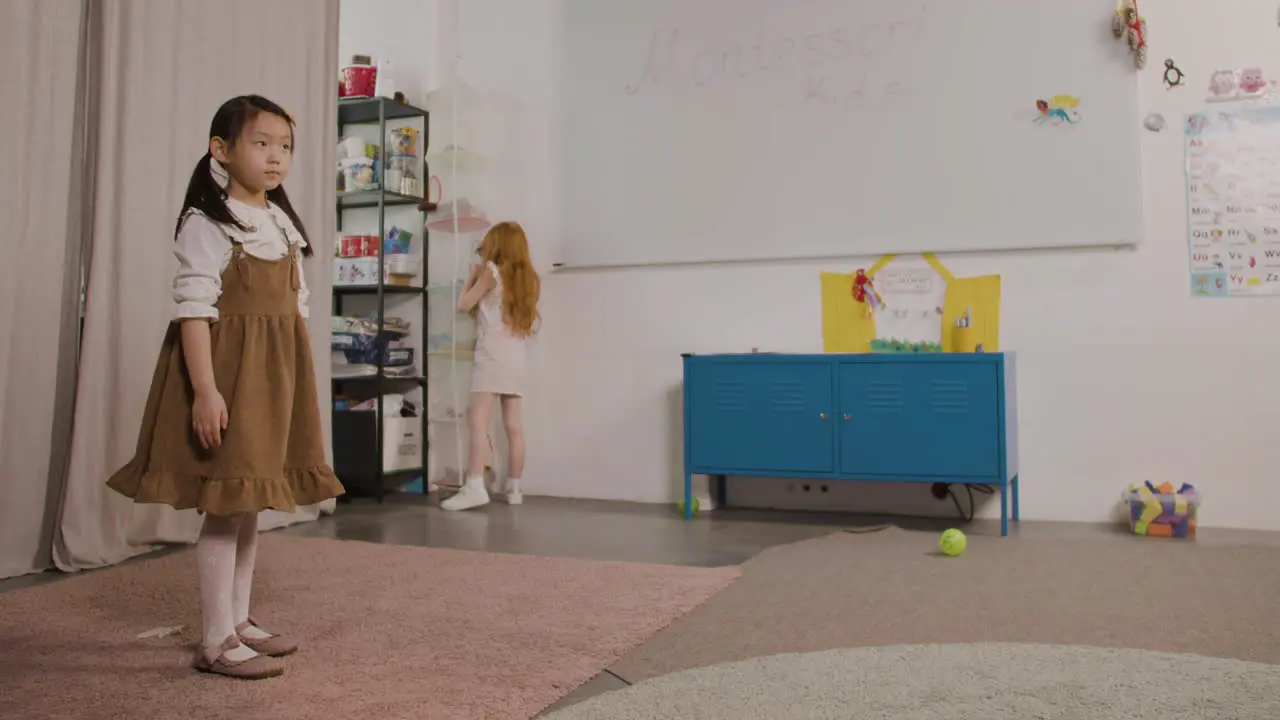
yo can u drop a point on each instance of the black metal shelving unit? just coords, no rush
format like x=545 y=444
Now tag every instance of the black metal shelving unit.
x=359 y=437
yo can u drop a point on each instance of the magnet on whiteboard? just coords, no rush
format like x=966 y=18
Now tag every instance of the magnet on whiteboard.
x=1154 y=122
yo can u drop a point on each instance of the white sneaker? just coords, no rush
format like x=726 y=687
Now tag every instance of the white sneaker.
x=471 y=495
x=512 y=491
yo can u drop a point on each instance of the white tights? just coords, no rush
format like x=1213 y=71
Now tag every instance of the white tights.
x=225 y=556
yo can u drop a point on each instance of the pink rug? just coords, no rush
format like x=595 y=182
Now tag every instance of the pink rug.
x=388 y=632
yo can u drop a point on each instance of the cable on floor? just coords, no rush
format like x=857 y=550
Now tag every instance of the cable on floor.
x=619 y=677
x=966 y=516
x=951 y=490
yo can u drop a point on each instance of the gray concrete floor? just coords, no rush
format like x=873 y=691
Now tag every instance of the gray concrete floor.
x=602 y=530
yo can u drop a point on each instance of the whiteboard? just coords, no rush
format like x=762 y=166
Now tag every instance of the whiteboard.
x=727 y=130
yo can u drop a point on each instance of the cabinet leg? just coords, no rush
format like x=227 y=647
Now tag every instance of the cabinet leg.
x=688 y=495
x=1017 y=512
x=1004 y=510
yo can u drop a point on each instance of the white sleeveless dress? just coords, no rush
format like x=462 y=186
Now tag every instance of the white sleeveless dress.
x=500 y=354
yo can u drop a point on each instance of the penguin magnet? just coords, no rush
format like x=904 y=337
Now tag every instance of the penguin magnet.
x=1172 y=75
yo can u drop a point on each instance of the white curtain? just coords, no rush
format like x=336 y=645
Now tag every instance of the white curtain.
x=162 y=69
x=39 y=54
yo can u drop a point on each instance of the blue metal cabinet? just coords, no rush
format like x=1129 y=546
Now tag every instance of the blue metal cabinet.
x=920 y=419
x=893 y=418
x=761 y=416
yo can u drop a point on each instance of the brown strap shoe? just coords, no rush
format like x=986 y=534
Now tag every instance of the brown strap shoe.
x=273 y=646
x=258 y=667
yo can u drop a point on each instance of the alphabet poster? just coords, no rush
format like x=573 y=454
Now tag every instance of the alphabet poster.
x=1233 y=199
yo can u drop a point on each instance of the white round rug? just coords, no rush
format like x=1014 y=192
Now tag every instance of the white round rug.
x=952 y=682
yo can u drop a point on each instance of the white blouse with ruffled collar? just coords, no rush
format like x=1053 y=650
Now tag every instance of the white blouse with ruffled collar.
x=204 y=251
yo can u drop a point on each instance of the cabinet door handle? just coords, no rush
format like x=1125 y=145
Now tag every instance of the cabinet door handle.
x=847 y=416
x=822 y=416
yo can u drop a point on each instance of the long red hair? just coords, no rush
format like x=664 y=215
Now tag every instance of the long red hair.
x=506 y=246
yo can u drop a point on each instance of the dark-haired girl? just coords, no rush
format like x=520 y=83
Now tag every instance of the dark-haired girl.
x=232 y=423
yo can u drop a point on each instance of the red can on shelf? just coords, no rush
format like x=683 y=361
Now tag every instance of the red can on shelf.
x=359 y=80
x=353 y=246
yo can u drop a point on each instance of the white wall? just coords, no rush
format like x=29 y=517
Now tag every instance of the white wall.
x=1124 y=376
x=405 y=32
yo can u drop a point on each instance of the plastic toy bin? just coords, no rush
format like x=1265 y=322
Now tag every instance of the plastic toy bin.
x=1162 y=511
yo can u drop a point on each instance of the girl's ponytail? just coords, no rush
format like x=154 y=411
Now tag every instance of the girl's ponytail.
x=206 y=195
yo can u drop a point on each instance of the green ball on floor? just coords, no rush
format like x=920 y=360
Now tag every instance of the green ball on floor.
x=952 y=542
x=696 y=506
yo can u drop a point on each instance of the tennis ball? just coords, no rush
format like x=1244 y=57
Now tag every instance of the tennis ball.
x=696 y=506
x=952 y=542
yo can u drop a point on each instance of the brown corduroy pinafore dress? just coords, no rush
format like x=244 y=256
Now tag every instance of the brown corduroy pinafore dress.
x=272 y=454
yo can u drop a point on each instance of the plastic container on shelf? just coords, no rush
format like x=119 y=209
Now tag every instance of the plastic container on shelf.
x=401 y=175
x=355 y=271
x=403 y=141
x=384 y=83
x=358 y=174
x=402 y=269
x=1162 y=511
x=401 y=264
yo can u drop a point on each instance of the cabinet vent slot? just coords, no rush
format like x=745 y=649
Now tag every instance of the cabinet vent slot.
x=730 y=396
x=949 y=397
x=884 y=396
x=786 y=397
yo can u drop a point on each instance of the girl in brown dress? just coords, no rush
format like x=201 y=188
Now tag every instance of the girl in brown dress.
x=232 y=422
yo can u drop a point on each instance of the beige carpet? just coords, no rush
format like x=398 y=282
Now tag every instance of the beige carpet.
x=891 y=588
x=953 y=682
x=388 y=632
